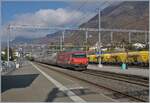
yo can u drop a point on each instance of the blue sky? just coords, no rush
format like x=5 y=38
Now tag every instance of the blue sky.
x=46 y=13
x=10 y=9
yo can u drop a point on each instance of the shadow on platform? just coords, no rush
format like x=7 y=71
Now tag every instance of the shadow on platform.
x=17 y=81
x=56 y=93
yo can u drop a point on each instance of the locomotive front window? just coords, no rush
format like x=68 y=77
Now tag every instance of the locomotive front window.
x=79 y=55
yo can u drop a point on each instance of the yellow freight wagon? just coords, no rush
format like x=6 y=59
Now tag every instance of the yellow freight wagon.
x=132 y=58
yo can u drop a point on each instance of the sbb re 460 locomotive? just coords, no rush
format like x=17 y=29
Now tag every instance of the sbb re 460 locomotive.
x=71 y=60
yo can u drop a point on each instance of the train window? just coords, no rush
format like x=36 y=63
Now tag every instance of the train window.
x=79 y=55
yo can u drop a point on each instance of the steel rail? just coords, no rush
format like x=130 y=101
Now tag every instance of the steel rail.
x=122 y=78
x=92 y=83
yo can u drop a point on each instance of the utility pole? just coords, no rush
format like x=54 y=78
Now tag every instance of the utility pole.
x=99 y=44
x=8 y=46
x=129 y=37
x=111 y=36
x=0 y=39
x=60 y=43
x=0 y=52
x=145 y=38
x=63 y=38
x=86 y=36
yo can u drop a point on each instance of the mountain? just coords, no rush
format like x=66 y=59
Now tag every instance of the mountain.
x=54 y=38
x=125 y=15
x=21 y=39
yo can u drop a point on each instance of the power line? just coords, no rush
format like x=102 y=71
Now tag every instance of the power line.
x=81 y=6
x=87 y=13
x=76 y=29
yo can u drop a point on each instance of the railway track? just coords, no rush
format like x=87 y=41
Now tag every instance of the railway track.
x=125 y=94
x=129 y=65
x=115 y=76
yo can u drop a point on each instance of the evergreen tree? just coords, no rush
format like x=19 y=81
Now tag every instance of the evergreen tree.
x=11 y=56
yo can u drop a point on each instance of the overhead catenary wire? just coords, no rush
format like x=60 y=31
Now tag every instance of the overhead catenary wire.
x=95 y=10
x=86 y=14
x=93 y=29
x=74 y=28
x=79 y=8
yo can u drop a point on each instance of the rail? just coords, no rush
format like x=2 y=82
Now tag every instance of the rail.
x=125 y=78
x=93 y=83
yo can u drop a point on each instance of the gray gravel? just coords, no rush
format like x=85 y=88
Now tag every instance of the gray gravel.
x=124 y=87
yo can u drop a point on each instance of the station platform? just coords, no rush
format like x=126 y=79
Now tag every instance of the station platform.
x=35 y=83
x=116 y=69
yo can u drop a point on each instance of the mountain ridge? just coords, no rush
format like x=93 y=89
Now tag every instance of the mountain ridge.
x=125 y=15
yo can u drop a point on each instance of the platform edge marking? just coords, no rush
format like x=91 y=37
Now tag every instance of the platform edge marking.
x=70 y=94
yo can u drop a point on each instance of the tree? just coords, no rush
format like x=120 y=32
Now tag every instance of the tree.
x=3 y=57
x=11 y=55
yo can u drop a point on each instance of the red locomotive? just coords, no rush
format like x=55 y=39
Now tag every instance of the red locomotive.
x=75 y=60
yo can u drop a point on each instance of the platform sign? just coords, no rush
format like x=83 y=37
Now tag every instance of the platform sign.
x=98 y=53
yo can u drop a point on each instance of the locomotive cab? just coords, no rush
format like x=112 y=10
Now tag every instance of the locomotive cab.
x=79 y=60
x=74 y=60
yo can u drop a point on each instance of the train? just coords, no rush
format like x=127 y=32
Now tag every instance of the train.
x=140 y=58
x=76 y=60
